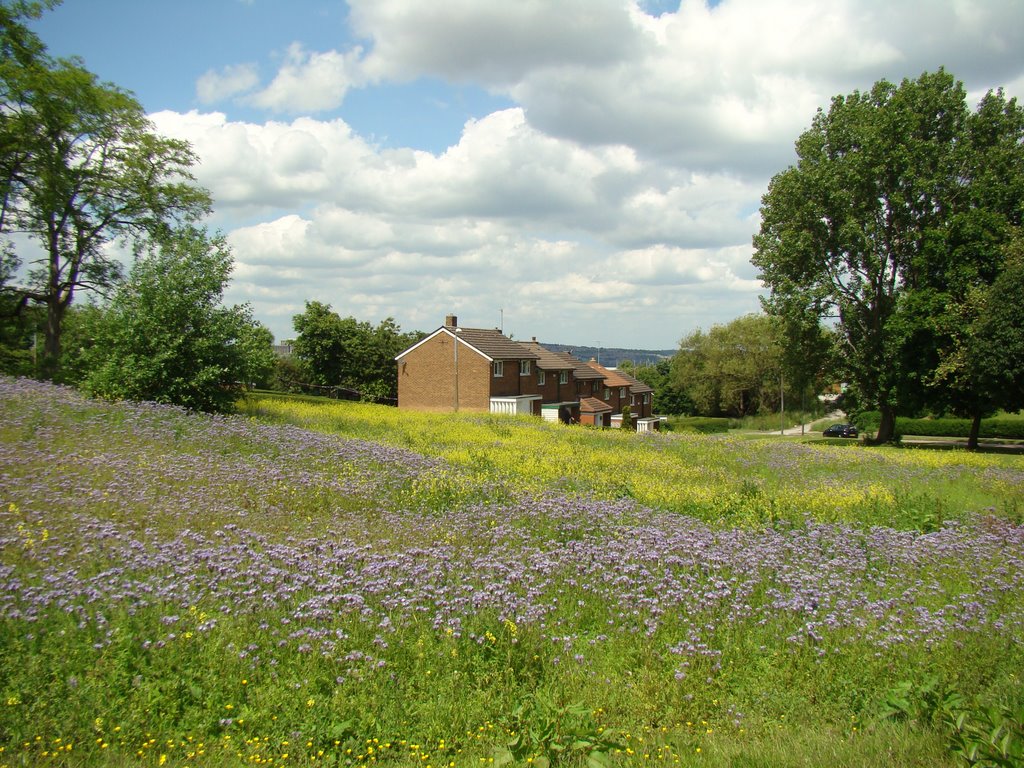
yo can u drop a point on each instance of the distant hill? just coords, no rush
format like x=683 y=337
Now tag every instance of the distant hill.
x=610 y=357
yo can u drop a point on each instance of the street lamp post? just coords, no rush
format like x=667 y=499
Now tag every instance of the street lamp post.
x=782 y=405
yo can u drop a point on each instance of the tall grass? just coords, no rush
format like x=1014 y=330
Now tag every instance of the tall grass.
x=398 y=589
x=721 y=479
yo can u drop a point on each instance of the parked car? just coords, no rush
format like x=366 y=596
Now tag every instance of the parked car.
x=841 y=430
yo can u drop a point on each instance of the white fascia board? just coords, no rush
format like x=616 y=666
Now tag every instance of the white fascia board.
x=453 y=335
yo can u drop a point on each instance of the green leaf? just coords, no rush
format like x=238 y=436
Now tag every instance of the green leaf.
x=502 y=757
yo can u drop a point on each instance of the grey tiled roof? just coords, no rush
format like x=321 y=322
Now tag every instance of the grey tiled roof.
x=637 y=387
x=581 y=371
x=494 y=344
x=619 y=378
x=546 y=359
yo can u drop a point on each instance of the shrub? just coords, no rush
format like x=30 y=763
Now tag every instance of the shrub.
x=1006 y=428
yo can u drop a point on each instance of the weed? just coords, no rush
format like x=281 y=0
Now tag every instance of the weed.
x=544 y=734
x=989 y=736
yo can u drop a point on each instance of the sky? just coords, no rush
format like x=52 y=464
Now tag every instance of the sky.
x=585 y=172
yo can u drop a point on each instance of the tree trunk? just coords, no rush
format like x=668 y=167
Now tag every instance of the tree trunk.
x=972 y=439
x=50 y=364
x=886 y=427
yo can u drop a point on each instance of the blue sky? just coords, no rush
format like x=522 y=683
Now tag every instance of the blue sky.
x=159 y=50
x=588 y=170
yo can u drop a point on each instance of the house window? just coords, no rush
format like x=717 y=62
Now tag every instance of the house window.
x=647 y=399
x=607 y=393
x=563 y=377
x=622 y=393
x=540 y=378
x=524 y=367
x=499 y=368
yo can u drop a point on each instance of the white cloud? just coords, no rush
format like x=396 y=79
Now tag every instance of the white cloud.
x=270 y=165
x=494 y=44
x=616 y=201
x=213 y=87
x=310 y=82
x=728 y=86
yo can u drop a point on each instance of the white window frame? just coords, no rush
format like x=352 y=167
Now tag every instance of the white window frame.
x=563 y=377
x=499 y=368
x=541 y=379
x=524 y=367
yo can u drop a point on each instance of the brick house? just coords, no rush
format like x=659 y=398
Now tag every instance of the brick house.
x=475 y=369
x=622 y=390
x=559 y=387
x=471 y=369
x=642 y=406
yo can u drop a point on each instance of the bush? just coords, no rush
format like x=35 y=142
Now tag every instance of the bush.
x=1006 y=428
x=866 y=421
x=167 y=337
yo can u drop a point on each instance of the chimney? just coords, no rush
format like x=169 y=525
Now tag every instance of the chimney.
x=451 y=321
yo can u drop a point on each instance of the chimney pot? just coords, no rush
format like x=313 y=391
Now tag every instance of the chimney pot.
x=451 y=321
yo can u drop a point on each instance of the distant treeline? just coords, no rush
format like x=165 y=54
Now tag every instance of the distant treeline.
x=610 y=357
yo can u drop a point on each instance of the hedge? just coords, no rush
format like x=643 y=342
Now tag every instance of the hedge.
x=1008 y=429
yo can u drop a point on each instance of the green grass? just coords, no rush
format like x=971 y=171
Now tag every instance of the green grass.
x=722 y=479
x=181 y=590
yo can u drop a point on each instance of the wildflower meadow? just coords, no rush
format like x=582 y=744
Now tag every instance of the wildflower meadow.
x=350 y=585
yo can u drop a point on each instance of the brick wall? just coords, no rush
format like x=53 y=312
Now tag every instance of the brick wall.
x=426 y=377
x=512 y=383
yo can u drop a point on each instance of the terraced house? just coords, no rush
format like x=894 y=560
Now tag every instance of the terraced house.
x=477 y=369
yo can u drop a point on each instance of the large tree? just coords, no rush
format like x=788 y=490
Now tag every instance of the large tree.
x=982 y=366
x=970 y=271
x=669 y=397
x=167 y=336
x=81 y=168
x=335 y=351
x=734 y=369
x=861 y=226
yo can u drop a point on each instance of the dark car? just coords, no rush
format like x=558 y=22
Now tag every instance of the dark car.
x=840 y=430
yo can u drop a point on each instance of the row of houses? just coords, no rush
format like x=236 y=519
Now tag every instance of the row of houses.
x=477 y=369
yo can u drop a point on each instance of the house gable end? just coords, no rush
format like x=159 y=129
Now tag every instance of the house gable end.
x=448 y=332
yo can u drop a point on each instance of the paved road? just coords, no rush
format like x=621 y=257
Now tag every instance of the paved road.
x=805 y=428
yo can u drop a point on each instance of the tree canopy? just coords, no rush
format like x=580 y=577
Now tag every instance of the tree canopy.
x=166 y=335
x=982 y=366
x=343 y=352
x=669 y=397
x=898 y=205
x=80 y=168
x=733 y=369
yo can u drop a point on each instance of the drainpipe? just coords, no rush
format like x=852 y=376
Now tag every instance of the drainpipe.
x=457 y=330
